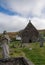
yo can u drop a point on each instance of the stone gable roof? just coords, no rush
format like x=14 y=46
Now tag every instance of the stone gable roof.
x=30 y=29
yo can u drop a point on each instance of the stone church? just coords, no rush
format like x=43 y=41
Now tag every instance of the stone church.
x=29 y=34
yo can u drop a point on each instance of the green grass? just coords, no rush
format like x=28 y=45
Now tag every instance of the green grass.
x=36 y=55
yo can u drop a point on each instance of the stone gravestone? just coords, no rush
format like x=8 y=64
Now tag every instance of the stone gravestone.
x=5 y=40
x=41 y=40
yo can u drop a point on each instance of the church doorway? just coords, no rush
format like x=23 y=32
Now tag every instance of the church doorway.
x=30 y=41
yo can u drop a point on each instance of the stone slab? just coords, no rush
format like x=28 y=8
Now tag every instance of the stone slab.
x=15 y=61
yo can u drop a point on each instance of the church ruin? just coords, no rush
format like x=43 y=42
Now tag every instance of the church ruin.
x=29 y=34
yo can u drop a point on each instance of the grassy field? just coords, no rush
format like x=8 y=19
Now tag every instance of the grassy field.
x=32 y=51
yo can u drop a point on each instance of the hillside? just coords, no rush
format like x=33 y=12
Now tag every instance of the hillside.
x=42 y=30
x=13 y=34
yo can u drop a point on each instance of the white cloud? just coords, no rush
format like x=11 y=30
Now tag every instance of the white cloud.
x=25 y=7
x=12 y=23
x=39 y=23
x=16 y=23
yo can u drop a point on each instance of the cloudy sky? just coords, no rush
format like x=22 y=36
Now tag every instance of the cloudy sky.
x=15 y=14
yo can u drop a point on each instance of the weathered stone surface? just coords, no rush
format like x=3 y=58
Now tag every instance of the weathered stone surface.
x=29 y=34
x=41 y=40
x=15 y=61
x=4 y=42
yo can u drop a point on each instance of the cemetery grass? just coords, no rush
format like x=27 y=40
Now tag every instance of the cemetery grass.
x=35 y=54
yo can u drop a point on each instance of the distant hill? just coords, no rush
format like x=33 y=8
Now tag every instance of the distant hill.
x=42 y=30
x=13 y=34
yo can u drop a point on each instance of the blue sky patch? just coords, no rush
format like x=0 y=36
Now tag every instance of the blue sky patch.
x=8 y=12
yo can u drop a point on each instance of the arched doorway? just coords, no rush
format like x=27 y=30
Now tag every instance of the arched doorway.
x=30 y=41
